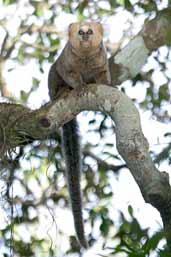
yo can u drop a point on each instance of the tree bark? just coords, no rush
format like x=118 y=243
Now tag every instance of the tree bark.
x=18 y=127
x=128 y=62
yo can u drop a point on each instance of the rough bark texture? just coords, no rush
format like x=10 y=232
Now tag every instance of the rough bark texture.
x=128 y=62
x=19 y=124
x=131 y=142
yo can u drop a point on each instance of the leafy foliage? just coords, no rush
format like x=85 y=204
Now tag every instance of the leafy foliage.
x=134 y=240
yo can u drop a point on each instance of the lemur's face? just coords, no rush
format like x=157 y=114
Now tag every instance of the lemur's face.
x=85 y=35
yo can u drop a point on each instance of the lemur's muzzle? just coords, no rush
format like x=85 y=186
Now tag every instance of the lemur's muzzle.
x=85 y=36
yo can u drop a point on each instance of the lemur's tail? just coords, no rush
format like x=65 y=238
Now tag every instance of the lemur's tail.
x=72 y=155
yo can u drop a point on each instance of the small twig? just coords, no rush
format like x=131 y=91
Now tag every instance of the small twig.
x=114 y=168
x=4 y=43
x=40 y=47
x=33 y=28
x=9 y=51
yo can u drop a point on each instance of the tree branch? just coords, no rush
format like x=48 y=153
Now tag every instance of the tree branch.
x=128 y=62
x=3 y=85
x=20 y=123
x=104 y=164
x=34 y=28
x=4 y=43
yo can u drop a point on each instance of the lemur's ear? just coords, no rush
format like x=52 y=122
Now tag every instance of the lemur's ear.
x=72 y=27
x=98 y=26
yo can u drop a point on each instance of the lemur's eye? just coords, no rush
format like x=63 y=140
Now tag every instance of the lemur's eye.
x=80 y=32
x=90 y=32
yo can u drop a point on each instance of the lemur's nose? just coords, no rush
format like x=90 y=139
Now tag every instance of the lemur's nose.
x=85 y=36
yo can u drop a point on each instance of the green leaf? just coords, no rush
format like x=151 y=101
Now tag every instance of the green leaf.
x=121 y=2
x=35 y=83
x=130 y=210
x=105 y=226
x=7 y=2
x=164 y=93
x=112 y=4
x=128 y=5
x=81 y=7
x=148 y=6
x=20 y=56
x=164 y=253
x=151 y=244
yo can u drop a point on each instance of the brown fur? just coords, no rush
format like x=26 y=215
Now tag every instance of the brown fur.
x=82 y=61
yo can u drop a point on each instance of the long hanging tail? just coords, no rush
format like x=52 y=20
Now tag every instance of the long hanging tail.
x=72 y=155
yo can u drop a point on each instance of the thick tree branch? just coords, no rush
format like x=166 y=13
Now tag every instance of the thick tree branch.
x=128 y=62
x=18 y=124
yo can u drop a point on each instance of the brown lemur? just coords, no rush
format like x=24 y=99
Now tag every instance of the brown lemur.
x=82 y=61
